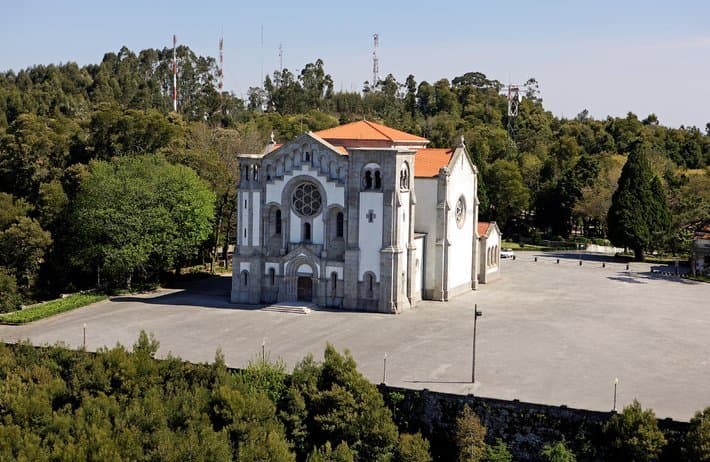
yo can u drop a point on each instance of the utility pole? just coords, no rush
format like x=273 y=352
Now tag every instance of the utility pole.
x=476 y=315
x=375 y=61
x=174 y=73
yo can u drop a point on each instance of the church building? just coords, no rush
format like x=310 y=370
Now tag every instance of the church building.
x=359 y=217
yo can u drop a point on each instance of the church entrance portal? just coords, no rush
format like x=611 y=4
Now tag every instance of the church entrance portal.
x=304 y=291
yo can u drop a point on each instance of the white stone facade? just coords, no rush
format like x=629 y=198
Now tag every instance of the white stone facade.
x=346 y=218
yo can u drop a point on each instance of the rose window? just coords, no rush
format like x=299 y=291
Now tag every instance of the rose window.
x=460 y=212
x=306 y=200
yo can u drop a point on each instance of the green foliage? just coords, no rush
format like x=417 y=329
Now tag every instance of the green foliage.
x=638 y=209
x=506 y=191
x=470 y=434
x=413 y=448
x=339 y=404
x=634 y=435
x=558 y=452
x=47 y=309
x=10 y=300
x=22 y=247
x=326 y=453
x=266 y=376
x=697 y=441
x=498 y=452
x=140 y=214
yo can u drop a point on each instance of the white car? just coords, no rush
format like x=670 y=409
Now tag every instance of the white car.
x=507 y=253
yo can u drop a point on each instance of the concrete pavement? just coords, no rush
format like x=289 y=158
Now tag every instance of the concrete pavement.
x=551 y=333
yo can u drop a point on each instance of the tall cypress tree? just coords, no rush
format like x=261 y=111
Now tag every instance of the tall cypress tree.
x=639 y=212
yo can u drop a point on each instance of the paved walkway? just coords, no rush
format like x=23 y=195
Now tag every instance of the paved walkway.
x=551 y=333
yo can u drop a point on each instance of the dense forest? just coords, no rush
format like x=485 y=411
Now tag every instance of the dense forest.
x=63 y=405
x=66 y=130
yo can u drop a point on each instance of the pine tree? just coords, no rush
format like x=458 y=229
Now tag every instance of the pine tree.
x=639 y=211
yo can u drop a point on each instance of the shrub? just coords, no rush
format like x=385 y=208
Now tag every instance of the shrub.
x=634 y=435
x=558 y=452
x=413 y=448
x=9 y=298
x=470 y=434
x=697 y=441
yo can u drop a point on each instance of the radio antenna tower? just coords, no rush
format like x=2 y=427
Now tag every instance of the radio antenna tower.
x=221 y=65
x=174 y=74
x=375 y=61
x=281 y=57
x=514 y=98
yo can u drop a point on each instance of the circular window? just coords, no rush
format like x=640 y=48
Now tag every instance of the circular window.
x=460 y=212
x=306 y=200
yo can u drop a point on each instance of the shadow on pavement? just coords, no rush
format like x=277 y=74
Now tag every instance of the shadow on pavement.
x=210 y=292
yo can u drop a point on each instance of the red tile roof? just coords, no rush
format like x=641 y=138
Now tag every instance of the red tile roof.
x=369 y=131
x=427 y=162
x=483 y=228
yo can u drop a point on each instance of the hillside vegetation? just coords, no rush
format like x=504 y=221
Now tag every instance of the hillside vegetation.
x=65 y=129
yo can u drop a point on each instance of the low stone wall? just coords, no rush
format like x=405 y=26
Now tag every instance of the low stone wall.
x=525 y=427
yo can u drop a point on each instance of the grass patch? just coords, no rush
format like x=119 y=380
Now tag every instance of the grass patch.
x=697 y=277
x=515 y=246
x=50 y=308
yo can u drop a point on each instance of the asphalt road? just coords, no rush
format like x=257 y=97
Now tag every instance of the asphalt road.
x=550 y=333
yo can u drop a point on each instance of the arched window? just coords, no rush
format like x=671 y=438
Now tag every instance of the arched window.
x=306 y=232
x=272 y=276
x=368 y=179
x=404 y=177
x=334 y=283
x=371 y=177
x=268 y=173
x=370 y=281
x=246 y=173
x=245 y=278
x=256 y=173
x=339 y=225
x=278 y=222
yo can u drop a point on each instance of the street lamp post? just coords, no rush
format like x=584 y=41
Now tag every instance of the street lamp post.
x=84 y=336
x=263 y=350
x=616 y=382
x=476 y=314
x=384 y=369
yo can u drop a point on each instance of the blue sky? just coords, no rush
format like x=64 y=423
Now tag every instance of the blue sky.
x=608 y=57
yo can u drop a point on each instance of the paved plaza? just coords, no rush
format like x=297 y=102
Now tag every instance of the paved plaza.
x=550 y=333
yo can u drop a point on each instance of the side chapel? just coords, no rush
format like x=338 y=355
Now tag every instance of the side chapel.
x=360 y=217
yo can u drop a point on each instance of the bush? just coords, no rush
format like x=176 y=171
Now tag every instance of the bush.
x=498 y=452
x=9 y=298
x=413 y=448
x=634 y=435
x=697 y=442
x=558 y=452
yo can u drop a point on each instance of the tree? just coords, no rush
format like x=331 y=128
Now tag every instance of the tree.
x=498 y=452
x=326 y=453
x=636 y=211
x=22 y=247
x=140 y=214
x=469 y=436
x=9 y=298
x=697 y=440
x=558 y=452
x=340 y=404
x=634 y=436
x=413 y=448
x=507 y=193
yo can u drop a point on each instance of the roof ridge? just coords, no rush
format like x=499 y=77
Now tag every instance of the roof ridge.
x=374 y=126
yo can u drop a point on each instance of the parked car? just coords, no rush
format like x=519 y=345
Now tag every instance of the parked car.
x=507 y=253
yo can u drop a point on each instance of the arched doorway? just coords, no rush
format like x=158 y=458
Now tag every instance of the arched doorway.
x=304 y=289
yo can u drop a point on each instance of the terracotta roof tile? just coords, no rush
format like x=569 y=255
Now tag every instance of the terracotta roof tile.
x=427 y=162
x=366 y=130
x=483 y=228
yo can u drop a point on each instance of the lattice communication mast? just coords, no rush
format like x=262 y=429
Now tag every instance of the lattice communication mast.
x=375 y=61
x=221 y=66
x=514 y=98
x=174 y=73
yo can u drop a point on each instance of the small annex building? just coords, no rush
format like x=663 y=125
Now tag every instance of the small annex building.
x=700 y=251
x=359 y=217
x=489 y=241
